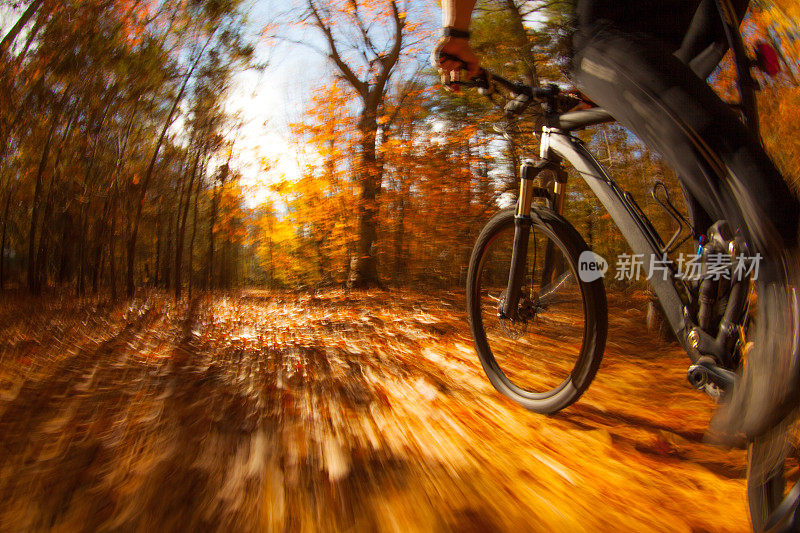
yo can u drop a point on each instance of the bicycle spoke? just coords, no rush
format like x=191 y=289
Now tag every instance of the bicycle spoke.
x=549 y=294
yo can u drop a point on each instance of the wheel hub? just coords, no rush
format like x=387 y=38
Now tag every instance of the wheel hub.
x=516 y=326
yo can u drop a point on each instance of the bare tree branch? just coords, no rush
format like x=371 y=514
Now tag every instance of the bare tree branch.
x=390 y=60
x=364 y=33
x=334 y=54
x=316 y=49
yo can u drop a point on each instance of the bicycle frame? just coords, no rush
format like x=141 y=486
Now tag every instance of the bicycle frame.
x=558 y=145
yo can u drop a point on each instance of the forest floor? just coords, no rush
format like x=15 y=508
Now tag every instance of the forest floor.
x=262 y=411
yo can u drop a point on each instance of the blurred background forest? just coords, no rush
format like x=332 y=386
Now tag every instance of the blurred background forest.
x=117 y=144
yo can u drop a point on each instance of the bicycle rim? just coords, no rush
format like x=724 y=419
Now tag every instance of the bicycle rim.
x=536 y=352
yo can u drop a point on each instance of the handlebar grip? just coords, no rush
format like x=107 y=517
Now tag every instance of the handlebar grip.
x=479 y=80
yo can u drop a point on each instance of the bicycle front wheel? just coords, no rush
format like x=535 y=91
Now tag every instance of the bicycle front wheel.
x=546 y=356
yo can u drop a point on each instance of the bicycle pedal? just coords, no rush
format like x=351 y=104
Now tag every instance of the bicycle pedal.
x=714 y=380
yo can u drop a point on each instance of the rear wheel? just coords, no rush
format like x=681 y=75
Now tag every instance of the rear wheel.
x=772 y=471
x=547 y=355
x=772 y=458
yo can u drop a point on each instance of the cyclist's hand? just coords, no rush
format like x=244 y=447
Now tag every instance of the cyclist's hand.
x=451 y=69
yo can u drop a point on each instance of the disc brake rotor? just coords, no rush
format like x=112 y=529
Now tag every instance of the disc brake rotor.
x=515 y=328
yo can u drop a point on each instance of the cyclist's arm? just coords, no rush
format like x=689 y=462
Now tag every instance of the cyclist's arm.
x=456 y=14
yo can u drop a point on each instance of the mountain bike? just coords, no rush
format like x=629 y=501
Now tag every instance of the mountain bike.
x=535 y=294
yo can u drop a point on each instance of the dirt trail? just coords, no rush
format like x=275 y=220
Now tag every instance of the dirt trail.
x=337 y=412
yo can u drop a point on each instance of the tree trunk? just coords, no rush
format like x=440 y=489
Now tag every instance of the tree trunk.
x=44 y=235
x=17 y=63
x=49 y=207
x=63 y=266
x=366 y=268
x=3 y=240
x=21 y=22
x=22 y=109
x=191 y=239
x=223 y=270
x=271 y=269
x=35 y=207
x=85 y=207
x=112 y=252
x=182 y=228
x=372 y=92
x=168 y=253
x=399 y=239
x=80 y=286
x=129 y=279
x=159 y=232
x=100 y=233
x=210 y=282
x=101 y=268
x=523 y=42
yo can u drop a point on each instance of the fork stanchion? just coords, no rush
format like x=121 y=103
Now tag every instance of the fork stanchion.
x=522 y=230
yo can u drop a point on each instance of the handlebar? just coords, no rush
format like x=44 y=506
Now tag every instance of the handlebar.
x=522 y=95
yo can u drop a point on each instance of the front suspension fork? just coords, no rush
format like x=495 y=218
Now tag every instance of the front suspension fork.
x=522 y=231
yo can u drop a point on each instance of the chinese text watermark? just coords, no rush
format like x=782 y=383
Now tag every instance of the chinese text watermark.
x=688 y=267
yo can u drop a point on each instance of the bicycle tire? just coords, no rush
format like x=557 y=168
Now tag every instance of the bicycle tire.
x=764 y=489
x=772 y=466
x=593 y=307
x=771 y=462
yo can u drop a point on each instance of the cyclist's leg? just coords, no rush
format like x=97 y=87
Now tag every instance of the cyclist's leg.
x=673 y=111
